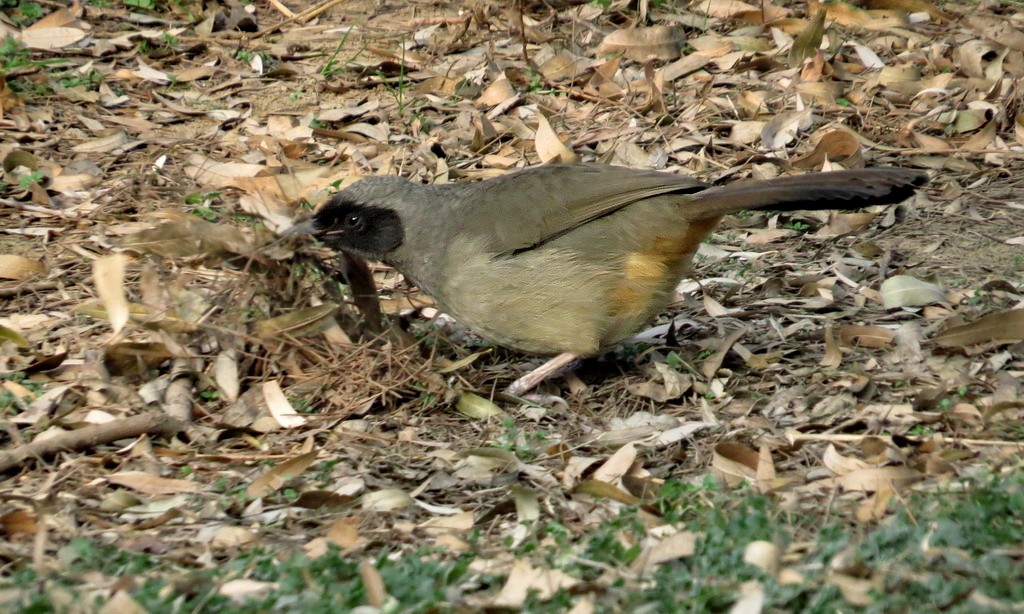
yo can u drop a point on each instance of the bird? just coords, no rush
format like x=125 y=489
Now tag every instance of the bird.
x=565 y=259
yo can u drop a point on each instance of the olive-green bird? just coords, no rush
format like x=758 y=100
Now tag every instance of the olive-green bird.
x=565 y=258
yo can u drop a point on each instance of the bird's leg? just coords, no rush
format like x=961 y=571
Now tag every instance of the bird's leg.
x=529 y=381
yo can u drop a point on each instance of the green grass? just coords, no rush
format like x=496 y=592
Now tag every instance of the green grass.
x=13 y=54
x=22 y=12
x=9 y=404
x=330 y=583
x=973 y=539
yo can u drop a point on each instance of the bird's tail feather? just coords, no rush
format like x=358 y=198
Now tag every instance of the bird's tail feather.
x=833 y=190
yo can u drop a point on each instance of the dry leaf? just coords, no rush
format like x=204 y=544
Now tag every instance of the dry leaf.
x=298 y=323
x=19 y=268
x=866 y=336
x=1001 y=31
x=135 y=358
x=228 y=536
x=563 y=66
x=764 y=555
x=842 y=465
x=18 y=523
x=477 y=407
x=766 y=473
x=712 y=363
x=149 y=484
x=278 y=475
x=982 y=140
x=373 y=584
x=60 y=17
x=616 y=466
x=676 y=546
x=867 y=57
x=106 y=144
x=7 y=334
x=108 y=274
x=809 y=40
x=242 y=589
x=196 y=73
x=148 y=73
x=764 y=236
x=188 y=236
x=549 y=147
x=498 y=92
x=527 y=504
x=122 y=603
x=735 y=463
x=525 y=579
x=858 y=591
x=644 y=44
x=463 y=362
x=746 y=132
x=790 y=25
x=386 y=500
x=833 y=355
x=727 y=8
x=752 y=598
x=602 y=83
x=604 y=490
x=907 y=291
x=279 y=406
x=840 y=224
x=344 y=533
x=783 y=128
x=876 y=506
x=836 y=146
x=930 y=143
x=225 y=375
x=910 y=6
x=972 y=56
x=872 y=479
x=48 y=39
x=1005 y=326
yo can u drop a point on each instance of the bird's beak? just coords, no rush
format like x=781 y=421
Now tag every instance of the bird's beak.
x=302 y=228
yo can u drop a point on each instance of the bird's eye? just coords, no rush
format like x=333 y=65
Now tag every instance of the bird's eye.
x=353 y=221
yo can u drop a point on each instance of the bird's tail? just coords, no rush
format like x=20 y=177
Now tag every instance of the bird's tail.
x=833 y=190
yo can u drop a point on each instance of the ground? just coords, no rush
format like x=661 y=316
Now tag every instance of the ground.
x=201 y=415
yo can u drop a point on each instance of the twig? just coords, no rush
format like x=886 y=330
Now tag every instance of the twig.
x=284 y=10
x=849 y=438
x=28 y=289
x=304 y=16
x=88 y=437
x=520 y=22
x=434 y=21
x=949 y=152
x=45 y=211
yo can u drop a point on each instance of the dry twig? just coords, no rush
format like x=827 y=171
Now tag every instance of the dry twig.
x=154 y=423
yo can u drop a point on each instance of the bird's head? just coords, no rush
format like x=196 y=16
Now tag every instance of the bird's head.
x=363 y=219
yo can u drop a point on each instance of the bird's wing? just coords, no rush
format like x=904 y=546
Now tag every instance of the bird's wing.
x=529 y=208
